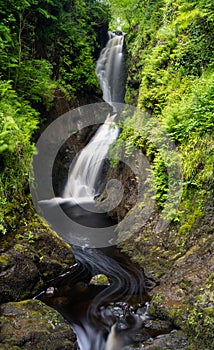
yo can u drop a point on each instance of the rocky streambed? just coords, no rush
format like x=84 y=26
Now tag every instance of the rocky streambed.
x=33 y=262
x=181 y=308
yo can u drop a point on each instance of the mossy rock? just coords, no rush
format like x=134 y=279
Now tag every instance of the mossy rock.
x=20 y=278
x=5 y=261
x=30 y=324
x=176 y=340
x=99 y=279
x=36 y=255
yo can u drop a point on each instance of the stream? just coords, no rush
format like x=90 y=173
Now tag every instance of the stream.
x=104 y=316
x=108 y=316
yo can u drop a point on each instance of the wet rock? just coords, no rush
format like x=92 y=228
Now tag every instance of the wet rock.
x=55 y=256
x=50 y=292
x=19 y=277
x=31 y=325
x=157 y=327
x=126 y=177
x=179 y=257
x=32 y=260
x=100 y=279
x=188 y=274
x=174 y=340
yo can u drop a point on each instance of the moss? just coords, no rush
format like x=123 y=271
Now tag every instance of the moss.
x=156 y=308
x=5 y=260
x=190 y=217
x=209 y=311
x=188 y=253
x=99 y=279
x=19 y=248
x=195 y=321
x=200 y=328
x=194 y=316
x=35 y=325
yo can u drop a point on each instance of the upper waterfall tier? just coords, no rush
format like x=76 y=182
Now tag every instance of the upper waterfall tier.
x=110 y=69
x=84 y=177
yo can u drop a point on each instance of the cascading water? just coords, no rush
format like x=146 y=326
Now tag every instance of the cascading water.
x=82 y=187
x=95 y=329
x=110 y=69
x=83 y=181
x=84 y=176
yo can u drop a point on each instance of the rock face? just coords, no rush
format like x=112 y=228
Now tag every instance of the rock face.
x=173 y=341
x=180 y=259
x=31 y=260
x=125 y=175
x=188 y=275
x=31 y=325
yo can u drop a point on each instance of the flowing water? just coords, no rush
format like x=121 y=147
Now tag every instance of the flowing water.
x=100 y=314
x=110 y=69
x=83 y=180
x=88 y=307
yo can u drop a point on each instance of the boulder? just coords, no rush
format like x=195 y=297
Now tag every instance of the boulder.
x=31 y=324
x=30 y=261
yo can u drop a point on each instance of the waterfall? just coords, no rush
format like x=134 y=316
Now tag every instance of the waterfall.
x=86 y=307
x=83 y=181
x=110 y=69
x=96 y=329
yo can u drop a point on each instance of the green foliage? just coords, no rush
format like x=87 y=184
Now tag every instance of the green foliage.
x=44 y=45
x=57 y=40
x=177 y=42
x=172 y=63
x=194 y=113
x=141 y=37
x=190 y=121
x=17 y=120
x=34 y=81
x=199 y=322
x=17 y=123
x=161 y=179
x=170 y=46
x=128 y=14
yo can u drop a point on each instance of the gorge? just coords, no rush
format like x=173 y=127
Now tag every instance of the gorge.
x=93 y=316
x=155 y=289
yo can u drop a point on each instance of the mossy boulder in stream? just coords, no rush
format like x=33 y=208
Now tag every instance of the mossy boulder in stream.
x=30 y=324
x=32 y=257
